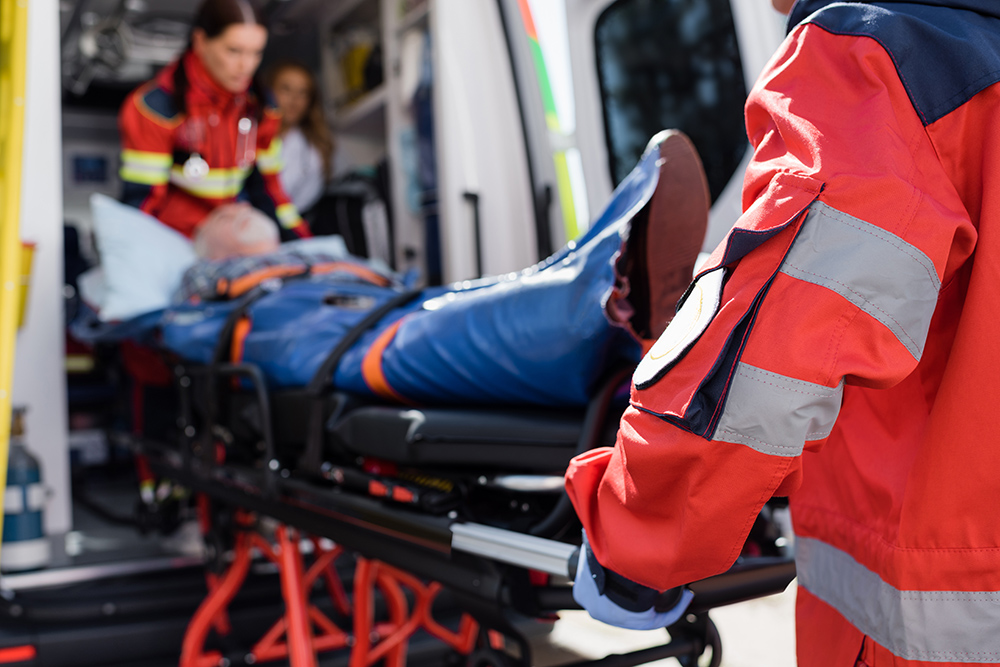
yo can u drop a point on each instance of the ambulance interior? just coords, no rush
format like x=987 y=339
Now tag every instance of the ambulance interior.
x=472 y=138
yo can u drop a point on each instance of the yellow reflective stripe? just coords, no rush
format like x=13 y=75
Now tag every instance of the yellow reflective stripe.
x=271 y=152
x=288 y=215
x=269 y=159
x=144 y=175
x=216 y=184
x=145 y=167
x=147 y=158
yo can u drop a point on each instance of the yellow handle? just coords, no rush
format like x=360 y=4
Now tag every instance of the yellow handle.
x=13 y=60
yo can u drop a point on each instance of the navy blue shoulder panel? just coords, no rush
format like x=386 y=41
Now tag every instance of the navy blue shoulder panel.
x=160 y=101
x=944 y=54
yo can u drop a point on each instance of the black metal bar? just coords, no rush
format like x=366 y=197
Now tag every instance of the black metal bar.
x=186 y=424
x=256 y=377
x=473 y=199
x=593 y=422
x=220 y=352
x=411 y=541
x=675 y=649
x=742 y=582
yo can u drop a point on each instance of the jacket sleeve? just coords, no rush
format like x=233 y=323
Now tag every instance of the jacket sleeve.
x=146 y=124
x=263 y=186
x=830 y=277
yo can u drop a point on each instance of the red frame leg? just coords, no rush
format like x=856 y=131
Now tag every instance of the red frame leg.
x=214 y=607
x=304 y=628
x=300 y=643
x=298 y=628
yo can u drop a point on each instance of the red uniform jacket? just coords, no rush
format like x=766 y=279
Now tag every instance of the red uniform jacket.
x=241 y=162
x=839 y=347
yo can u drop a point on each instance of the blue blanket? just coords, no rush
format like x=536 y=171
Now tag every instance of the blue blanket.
x=538 y=337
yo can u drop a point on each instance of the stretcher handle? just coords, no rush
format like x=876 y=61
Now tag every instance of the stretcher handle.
x=744 y=581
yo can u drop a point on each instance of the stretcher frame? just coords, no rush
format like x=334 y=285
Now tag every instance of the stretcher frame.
x=494 y=575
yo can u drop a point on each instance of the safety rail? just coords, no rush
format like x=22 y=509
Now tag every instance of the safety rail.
x=13 y=66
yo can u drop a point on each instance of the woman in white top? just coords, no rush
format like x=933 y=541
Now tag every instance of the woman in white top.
x=307 y=145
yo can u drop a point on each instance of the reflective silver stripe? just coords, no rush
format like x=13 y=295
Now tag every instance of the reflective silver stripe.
x=934 y=626
x=877 y=271
x=774 y=414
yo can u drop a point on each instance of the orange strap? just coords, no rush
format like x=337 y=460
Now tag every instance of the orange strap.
x=371 y=366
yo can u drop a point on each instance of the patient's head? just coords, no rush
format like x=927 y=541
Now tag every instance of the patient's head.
x=235 y=230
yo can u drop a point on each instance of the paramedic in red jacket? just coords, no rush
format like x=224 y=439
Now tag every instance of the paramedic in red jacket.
x=201 y=134
x=840 y=347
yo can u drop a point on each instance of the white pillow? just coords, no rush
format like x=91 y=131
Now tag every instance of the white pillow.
x=143 y=259
x=332 y=245
x=93 y=288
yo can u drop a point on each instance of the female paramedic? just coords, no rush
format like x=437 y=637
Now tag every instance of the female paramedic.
x=838 y=348
x=201 y=133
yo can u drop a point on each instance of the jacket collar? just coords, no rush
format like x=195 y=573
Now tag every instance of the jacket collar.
x=805 y=8
x=203 y=89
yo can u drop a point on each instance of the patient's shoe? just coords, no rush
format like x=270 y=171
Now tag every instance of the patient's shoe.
x=664 y=241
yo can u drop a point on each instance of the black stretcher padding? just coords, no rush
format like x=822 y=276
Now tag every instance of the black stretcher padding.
x=512 y=440
x=540 y=440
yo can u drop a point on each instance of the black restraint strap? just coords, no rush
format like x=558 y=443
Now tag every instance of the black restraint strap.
x=322 y=380
x=590 y=433
x=324 y=375
x=224 y=343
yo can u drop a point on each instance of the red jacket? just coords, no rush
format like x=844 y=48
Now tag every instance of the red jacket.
x=851 y=358
x=158 y=141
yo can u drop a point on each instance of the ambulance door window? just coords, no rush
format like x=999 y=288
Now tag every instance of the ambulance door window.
x=671 y=64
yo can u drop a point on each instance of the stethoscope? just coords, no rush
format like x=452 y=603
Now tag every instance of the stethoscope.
x=195 y=167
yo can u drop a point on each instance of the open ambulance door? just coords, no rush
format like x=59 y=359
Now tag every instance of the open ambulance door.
x=598 y=78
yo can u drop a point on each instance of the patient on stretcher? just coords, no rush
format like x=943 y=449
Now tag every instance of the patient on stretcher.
x=235 y=230
x=543 y=336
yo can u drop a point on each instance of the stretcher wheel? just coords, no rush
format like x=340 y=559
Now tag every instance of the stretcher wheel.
x=713 y=642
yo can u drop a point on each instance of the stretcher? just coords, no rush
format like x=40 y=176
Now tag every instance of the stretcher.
x=468 y=501
x=463 y=500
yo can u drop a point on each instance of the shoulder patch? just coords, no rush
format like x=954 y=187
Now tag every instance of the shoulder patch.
x=959 y=45
x=698 y=310
x=158 y=105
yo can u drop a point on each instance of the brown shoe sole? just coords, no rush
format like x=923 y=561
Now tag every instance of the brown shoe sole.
x=678 y=220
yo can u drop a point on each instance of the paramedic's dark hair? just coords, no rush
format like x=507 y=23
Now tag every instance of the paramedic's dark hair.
x=313 y=125
x=213 y=17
